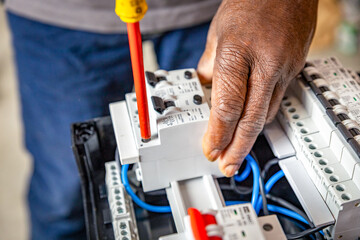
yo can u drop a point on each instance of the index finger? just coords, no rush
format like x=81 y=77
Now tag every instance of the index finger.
x=231 y=71
x=260 y=91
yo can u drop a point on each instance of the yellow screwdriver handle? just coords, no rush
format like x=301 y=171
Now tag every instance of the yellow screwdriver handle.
x=130 y=11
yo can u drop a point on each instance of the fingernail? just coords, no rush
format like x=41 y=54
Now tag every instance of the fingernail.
x=214 y=155
x=230 y=170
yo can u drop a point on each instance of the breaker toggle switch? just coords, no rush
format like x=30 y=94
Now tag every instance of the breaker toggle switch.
x=152 y=79
x=201 y=225
x=160 y=105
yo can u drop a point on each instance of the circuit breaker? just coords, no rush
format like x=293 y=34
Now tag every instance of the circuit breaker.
x=320 y=114
x=179 y=113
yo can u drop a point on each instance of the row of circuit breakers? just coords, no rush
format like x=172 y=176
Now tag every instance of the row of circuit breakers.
x=320 y=115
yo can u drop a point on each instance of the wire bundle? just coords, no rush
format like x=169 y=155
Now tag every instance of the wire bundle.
x=258 y=202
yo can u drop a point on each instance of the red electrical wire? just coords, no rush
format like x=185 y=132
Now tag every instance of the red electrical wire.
x=137 y=63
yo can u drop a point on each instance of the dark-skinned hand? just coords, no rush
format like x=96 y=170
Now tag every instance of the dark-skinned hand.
x=254 y=48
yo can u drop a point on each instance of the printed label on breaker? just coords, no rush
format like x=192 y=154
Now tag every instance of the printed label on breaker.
x=240 y=216
x=342 y=83
x=327 y=63
x=239 y=222
x=183 y=88
x=190 y=115
x=347 y=89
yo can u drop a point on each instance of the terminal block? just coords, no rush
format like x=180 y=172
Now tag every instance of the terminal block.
x=320 y=114
x=121 y=207
x=179 y=108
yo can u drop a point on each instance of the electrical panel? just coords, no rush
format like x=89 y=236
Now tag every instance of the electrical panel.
x=320 y=122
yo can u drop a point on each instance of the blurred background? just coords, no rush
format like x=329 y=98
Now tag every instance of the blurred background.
x=338 y=34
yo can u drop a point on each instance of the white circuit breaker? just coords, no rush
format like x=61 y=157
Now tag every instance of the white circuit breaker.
x=321 y=115
x=179 y=113
x=237 y=222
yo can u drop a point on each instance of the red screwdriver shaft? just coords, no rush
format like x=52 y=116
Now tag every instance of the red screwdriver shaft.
x=137 y=63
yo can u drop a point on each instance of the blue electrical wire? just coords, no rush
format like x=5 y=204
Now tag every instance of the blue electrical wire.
x=135 y=198
x=275 y=209
x=274 y=178
x=268 y=185
x=244 y=174
x=287 y=212
x=229 y=203
x=254 y=199
x=165 y=209
x=256 y=175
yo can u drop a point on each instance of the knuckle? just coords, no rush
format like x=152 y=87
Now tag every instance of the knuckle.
x=234 y=58
x=296 y=65
x=281 y=85
x=261 y=93
x=275 y=71
x=231 y=53
x=270 y=117
x=236 y=158
x=276 y=65
x=270 y=68
x=228 y=109
x=251 y=128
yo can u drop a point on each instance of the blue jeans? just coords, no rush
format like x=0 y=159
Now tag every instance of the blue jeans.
x=68 y=76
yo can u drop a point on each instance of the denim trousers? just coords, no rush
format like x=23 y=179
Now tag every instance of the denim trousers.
x=67 y=76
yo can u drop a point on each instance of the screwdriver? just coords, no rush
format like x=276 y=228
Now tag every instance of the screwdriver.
x=131 y=12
